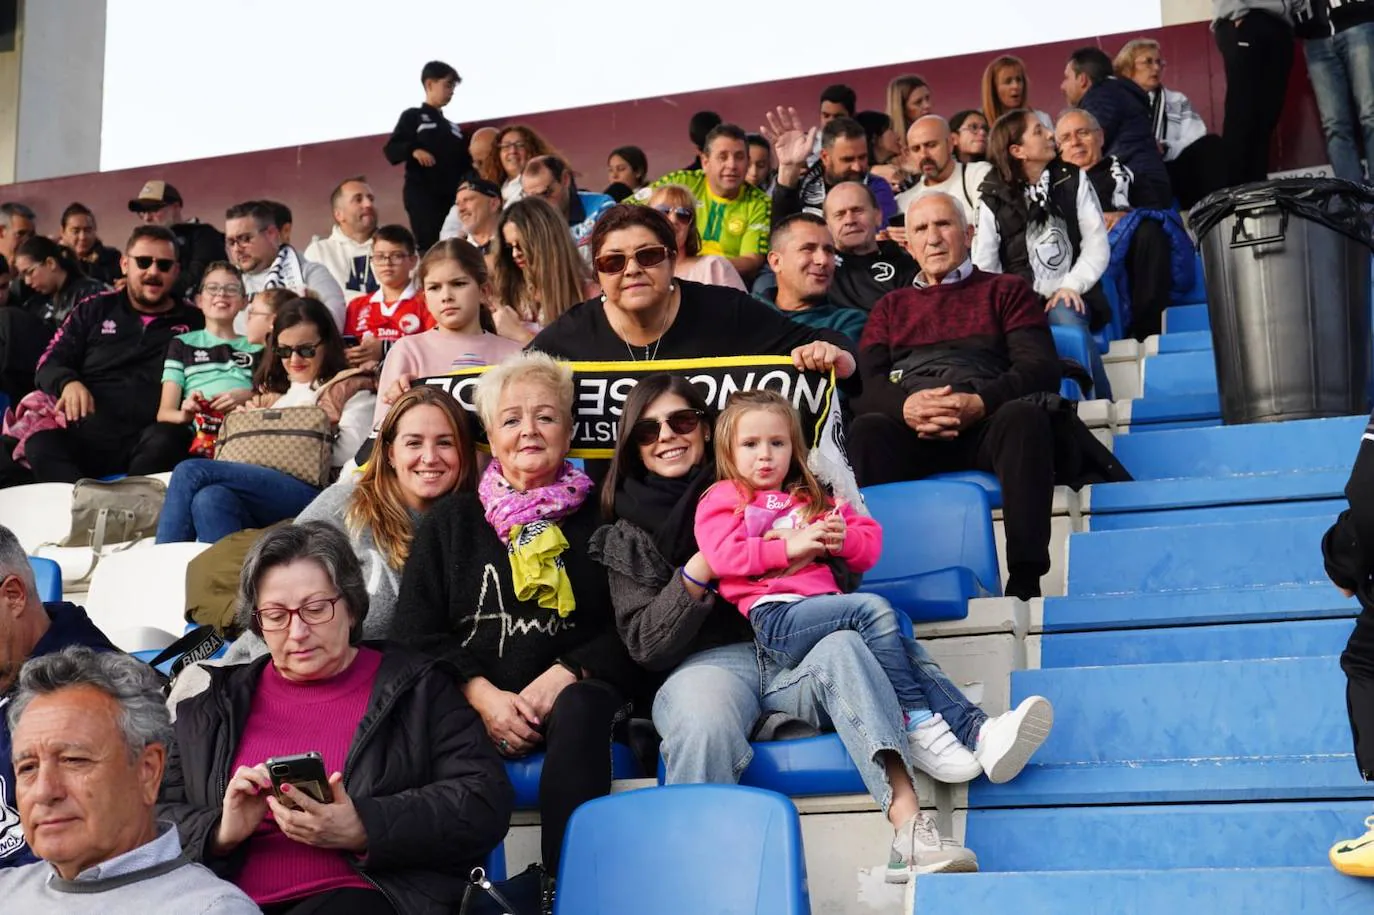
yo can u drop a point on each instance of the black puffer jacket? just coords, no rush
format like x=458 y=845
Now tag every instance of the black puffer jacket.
x=430 y=789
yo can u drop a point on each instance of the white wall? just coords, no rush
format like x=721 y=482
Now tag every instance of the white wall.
x=62 y=61
x=241 y=75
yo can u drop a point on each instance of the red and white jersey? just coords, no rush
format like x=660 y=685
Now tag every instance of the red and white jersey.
x=370 y=314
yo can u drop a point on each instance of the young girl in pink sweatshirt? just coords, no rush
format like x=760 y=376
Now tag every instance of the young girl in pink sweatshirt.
x=769 y=532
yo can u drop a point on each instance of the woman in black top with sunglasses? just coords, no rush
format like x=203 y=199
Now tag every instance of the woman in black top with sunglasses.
x=305 y=366
x=646 y=313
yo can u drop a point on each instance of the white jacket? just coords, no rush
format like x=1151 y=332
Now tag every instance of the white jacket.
x=1052 y=269
x=1177 y=124
x=317 y=279
x=349 y=262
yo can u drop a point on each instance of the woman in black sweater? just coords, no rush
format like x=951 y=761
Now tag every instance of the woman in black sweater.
x=499 y=584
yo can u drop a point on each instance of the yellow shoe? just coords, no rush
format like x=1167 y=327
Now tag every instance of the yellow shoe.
x=1355 y=857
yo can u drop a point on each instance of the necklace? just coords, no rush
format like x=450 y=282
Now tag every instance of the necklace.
x=663 y=328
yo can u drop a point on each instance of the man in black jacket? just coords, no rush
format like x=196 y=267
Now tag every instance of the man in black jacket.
x=104 y=366
x=198 y=245
x=1123 y=110
x=866 y=269
x=28 y=629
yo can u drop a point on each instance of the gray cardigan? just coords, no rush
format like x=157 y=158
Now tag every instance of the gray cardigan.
x=659 y=621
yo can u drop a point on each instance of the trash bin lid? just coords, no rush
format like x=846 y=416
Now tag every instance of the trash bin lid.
x=1338 y=204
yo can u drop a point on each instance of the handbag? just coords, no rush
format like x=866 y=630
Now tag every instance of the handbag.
x=298 y=441
x=522 y=894
x=114 y=511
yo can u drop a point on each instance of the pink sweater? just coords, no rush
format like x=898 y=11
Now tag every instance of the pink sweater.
x=288 y=718
x=435 y=352
x=751 y=568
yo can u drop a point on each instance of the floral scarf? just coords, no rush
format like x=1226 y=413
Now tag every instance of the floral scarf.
x=527 y=523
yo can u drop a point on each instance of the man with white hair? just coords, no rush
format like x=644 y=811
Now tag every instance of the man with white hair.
x=90 y=742
x=28 y=629
x=930 y=150
x=951 y=366
x=1148 y=237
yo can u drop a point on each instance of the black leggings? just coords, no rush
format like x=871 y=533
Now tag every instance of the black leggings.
x=577 y=761
x=348 y=901
x=1358 y=663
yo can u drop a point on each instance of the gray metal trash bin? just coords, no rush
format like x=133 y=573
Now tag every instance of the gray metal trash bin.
x=1287 y=267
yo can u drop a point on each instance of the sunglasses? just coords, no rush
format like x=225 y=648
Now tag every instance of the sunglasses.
x=305 y=350
x=651 y=256
x=164 y=264
x=682 y=214
x=682 y=422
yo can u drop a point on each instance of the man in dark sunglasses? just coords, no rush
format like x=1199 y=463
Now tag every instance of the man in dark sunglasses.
x=104 y=366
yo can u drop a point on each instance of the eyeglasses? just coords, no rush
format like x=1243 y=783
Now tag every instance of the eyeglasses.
x=1150 y=62
x=391 y=258
x=514 y=144
x=682 y=422
x=681 y=214
x=164 y=264
x=275 y=619
x=305 y=350
x=242 y=241
x=974 y=128
x=229 y=289
x=260 y=314
x=651 y=256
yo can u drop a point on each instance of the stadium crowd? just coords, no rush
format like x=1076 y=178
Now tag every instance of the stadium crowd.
x=436 y=609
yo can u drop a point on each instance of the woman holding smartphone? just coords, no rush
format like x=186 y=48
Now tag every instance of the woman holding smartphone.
x=415 y=795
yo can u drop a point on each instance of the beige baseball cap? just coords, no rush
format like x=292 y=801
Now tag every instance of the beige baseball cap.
x=154 y=195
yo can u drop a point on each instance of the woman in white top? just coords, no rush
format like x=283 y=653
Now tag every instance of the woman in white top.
x=679 y=205
x=209 y=499
x=1040 y=218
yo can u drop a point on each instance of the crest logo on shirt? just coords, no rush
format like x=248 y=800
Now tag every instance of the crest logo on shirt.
x=1053 y=249
x=11 y=831
x=200 y=356
x=736 y=226
x=364 y=314
x=409 y=323
x=883 y=272
x=242 y=360
x=109 y=327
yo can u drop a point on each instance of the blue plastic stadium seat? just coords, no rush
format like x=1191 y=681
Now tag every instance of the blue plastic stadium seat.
x=47 y=578
x=684 y=849
x=1077 y=344
x=524 y=773
x=938 y=548
x=1175 y=374
x=1186 y=318
x=981 y=478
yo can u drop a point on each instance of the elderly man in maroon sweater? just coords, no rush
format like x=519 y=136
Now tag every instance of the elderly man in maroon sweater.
x=951 y=367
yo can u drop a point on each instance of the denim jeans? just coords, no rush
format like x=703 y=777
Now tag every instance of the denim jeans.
x=209 y=500
x=1342 y=72
x=787 y=630
x=709 y=704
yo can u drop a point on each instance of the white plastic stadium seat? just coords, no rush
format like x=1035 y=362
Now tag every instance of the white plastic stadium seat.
x=140 y=590
x=37 y=513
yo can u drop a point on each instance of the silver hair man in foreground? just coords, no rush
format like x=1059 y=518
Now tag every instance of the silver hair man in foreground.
x=90 y=735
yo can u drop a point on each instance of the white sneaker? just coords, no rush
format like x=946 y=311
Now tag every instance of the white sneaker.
x=918 y=849
x=937 y=752
x=1007 y=742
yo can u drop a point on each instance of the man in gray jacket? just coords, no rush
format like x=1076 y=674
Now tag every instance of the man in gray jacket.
x=90 y=741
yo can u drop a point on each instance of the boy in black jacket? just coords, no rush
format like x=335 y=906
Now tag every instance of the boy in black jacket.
x=1348 y=548
x=435 y=153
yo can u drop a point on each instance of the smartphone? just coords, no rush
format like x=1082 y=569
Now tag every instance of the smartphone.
x=350 y=340
x=303 y=772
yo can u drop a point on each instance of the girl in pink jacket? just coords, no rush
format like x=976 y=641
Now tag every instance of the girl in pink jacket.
x=769 y=532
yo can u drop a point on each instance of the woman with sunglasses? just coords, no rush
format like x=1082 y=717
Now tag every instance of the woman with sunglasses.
x=679 y=205
x=647 y=313
x=414 y=794
x=208 y=499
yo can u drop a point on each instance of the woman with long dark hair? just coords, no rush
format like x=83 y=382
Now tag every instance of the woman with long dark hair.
x=56 y=277
x=1040 y=218
x=210 y=499
x=537 y=273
